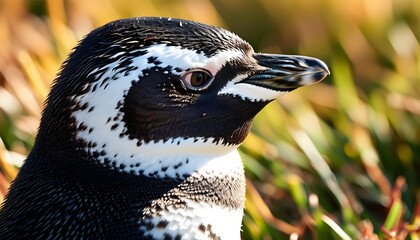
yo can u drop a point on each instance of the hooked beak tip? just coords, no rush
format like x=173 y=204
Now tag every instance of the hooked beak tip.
x=320 y=69
x=316 y=63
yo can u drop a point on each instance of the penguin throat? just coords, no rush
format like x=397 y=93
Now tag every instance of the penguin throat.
x=176 y=158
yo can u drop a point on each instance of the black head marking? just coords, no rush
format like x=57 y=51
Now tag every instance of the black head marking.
x=175 y=112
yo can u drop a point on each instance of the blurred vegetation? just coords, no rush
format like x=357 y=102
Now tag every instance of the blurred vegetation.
x=337 y=160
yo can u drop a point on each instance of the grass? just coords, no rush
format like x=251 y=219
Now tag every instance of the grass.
x=337 y=160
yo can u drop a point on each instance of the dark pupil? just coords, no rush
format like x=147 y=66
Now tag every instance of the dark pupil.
x=198 y=79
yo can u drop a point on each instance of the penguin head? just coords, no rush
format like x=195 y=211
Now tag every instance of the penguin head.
x=147 y=87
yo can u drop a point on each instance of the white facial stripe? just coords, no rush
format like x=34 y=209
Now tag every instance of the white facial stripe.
x=178 y=146
x=175 y=160
x=249 y=92
x=188 y=221
x=186 y=59
x=184 y=160
x=103 y=118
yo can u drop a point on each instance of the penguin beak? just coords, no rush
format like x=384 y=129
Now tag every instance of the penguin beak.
x=287 y=72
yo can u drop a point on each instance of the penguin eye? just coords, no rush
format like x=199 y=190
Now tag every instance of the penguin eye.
x=197 y=80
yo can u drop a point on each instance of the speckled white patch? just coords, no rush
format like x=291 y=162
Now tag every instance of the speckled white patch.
x=198 y=221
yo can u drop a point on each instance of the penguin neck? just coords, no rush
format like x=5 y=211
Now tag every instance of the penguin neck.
x=192 y=188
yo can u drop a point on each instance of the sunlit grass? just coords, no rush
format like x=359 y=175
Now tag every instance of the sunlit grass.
x=337 y=160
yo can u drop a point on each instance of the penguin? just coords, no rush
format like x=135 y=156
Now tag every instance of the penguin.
x=139 y=134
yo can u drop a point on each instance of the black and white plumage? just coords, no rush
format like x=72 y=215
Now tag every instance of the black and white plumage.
x=139 y=134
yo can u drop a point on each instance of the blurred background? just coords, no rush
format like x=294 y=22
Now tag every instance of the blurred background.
x=336 y=160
